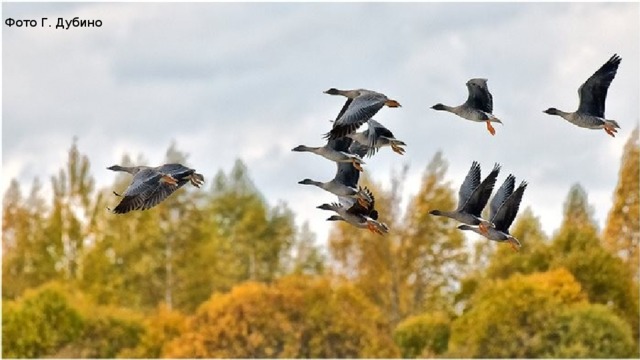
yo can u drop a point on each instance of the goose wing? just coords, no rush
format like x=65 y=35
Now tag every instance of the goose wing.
x=594 y=91
x=470 y=183
x=374 y=133
x=357 y=209
x=144 y=183
x=509 y=209
x=481 y=194
x=340 y=144
x=505 y=190
x=342 y=111
x=358 y=149
x=479 y=96
x=161 y=192
x=175 y=170
x=347 y=174
x=361 y=109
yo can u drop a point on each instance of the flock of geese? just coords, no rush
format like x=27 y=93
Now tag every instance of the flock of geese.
x=473 y=197
x=347 y=148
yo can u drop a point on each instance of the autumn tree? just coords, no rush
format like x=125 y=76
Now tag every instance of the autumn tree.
x=534 y=255
x=300 y=316
x=538 y=315
x=622 y=230
x=142 y=258
x=254 y=237
x=73 y=210
x=418 y=264
x=161 y=326
x=588 y=331
x=370 y=260
x=125 y=262
x=423 y=336
x=604 y=277
x=507 y=318
x=306 y=257
x=28 y=258
x=38 y=324
x=57 y=320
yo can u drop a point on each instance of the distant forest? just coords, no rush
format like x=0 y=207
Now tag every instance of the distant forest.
x=219 y=272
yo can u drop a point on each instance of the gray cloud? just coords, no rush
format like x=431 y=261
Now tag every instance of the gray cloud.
x=245 y=80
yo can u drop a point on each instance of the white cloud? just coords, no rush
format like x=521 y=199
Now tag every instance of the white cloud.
x=231 y=81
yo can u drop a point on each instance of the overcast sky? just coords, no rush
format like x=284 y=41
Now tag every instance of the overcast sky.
x=228 y=81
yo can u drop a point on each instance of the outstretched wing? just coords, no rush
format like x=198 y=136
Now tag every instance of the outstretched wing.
x=361 y=109
x=342 y=111
x=374 y=133
x=162 y=192
x=144 y=183
x=479 y=96
x=480 y=196
x=509 y=209
x=340 y=144
x=594 y=91
x=505 y=190
x=470 y=183
x=347 y=174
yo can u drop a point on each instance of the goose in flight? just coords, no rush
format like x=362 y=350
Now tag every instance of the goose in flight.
x=478 y=107
x=331 y=152
x=356 y=214
x=361 y=105
x=345 y=182
x=593 y=93
x=377 y=136
x=151 y=185
x=504 y=208
x=473 y=197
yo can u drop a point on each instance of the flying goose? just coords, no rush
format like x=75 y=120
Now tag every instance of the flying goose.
x=345 y=182
x=504 y=208
x=478 y=107
x=360 y=106
x=593 y=92
x=377 y=136
x=356 y=214
x=330 y=151
x=151 y=185
x=473 y=197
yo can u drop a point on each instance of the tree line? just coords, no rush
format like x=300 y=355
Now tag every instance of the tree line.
x=223 y=273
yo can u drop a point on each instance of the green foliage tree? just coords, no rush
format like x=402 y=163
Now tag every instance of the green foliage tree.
x=534 y=255
x=39 y=324
x=254 y=237
x=162 y=326
x=292 y=317
x=28 y=258
x=73 y=211
x=622 y=230
x=106 y=334
x=603 y=276
x=57 y=320
x=306 y=257
x=433 y=246
x=424 y=336
x=588 y=331
x=418 y=264
x=124 y=265
x=507 y=318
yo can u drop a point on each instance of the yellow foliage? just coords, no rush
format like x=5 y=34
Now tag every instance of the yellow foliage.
x=297 y=316
x=622 y=231
x=506 y=317
x=161 y=327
